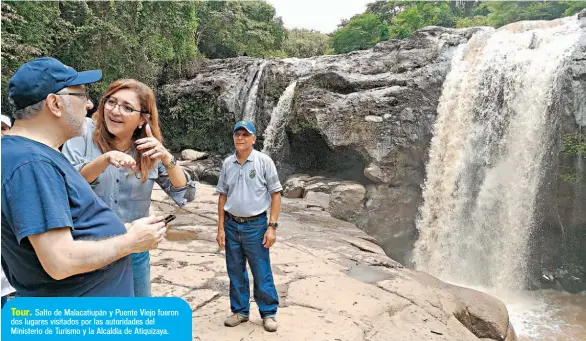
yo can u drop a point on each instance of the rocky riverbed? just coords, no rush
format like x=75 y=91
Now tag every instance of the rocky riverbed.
x=334 y=283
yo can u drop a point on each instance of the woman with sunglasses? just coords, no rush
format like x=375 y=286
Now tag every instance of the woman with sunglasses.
x=121 y=155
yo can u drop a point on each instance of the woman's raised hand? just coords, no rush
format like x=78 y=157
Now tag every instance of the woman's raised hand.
x=153 y=148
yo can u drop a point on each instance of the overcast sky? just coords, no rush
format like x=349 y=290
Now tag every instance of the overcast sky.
x=319 y=15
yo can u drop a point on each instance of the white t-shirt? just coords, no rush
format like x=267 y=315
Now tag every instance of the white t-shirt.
x=6 y=287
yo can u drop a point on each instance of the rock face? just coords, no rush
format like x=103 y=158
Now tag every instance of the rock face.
x=364 y=116
x=367 y=117
x=333 y=281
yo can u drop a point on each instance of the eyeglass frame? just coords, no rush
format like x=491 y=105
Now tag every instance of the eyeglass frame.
x=142 y=112
x=79 y=94
x=242 y=136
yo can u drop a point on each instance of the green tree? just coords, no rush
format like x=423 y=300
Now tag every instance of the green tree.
x=386 y=10
x=303 y=43
x=421 y=14
x=126 y=39
x=234 y=28
x=573 y=7
x=362 y=32
x=503 y=13
x=404 y=17
x=137 y=39
x=22 y=23
x=477 y=20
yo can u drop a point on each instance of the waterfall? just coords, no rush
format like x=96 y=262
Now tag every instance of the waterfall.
x=275 y=132
x=249 y=112
x=487 y=154
x=245 y=103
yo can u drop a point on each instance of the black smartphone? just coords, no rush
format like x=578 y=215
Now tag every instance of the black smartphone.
x=169 y=218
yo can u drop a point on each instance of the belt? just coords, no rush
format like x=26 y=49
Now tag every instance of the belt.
x=245 y=219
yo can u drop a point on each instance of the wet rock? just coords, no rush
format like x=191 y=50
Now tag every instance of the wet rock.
x=317 y=187
x=319 y=199
x=206 y=170
x=375 y=119
x=571 y=278
x=346 y=201
x=375 y=174
x=192 y=155
x=294 y=186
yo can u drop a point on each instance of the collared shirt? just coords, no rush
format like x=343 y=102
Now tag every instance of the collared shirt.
x=120 y=188
x=248 y=187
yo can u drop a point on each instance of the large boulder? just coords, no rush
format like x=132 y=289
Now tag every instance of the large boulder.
x=317 y=199
x=294 y=187
x=193 y=155
x=347 y=201
x=205 y=170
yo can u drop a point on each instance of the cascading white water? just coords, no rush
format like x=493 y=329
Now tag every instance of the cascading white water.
x=488 y=152
x=275 y=132
x=242 y=99
x=249 y=112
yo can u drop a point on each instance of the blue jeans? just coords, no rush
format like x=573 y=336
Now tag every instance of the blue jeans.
x=141 y=270
x=244 y=243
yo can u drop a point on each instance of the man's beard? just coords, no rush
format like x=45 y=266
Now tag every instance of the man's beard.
x=77 y=125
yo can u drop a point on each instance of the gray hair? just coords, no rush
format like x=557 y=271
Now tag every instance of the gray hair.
x=28 y=112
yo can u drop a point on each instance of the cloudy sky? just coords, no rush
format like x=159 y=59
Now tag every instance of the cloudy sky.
x=319 y=15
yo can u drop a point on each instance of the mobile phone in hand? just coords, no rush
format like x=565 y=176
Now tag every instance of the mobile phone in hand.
x=169 y=218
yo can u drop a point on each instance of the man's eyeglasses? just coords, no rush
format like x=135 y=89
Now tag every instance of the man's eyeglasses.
x=80 y=94
x=241 y=135
x=124 y=109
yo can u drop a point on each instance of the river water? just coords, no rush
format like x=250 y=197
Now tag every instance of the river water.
x=549 y=316
x=545 y=315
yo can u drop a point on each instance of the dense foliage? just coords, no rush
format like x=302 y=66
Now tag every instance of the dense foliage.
x=397 y=19
x=126 y=39
x=360 y=33
x=302 y=43
x=235 y=28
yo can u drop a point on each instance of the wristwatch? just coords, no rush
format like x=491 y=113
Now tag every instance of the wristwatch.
x=172 y=164
x=275 y=225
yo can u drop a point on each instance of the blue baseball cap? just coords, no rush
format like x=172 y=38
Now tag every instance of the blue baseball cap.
x=33 y=81
x=246 y=125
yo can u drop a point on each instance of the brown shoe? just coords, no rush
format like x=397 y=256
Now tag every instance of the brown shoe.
x=270 y=324
x=235 y=320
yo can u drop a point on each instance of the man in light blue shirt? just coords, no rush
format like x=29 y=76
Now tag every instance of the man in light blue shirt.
x=248 y=186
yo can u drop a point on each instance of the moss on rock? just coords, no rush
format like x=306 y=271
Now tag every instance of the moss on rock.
x=196 y=123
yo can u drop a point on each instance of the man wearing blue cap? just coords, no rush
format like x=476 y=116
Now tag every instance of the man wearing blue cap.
x=247 y=187
x=58 y=237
